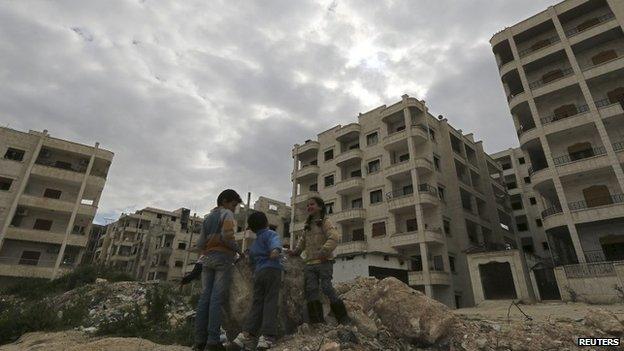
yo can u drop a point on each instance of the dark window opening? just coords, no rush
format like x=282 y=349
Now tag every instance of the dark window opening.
x=30 y=258
x=329 y=154
x=329 y=180
x=5 y=183
x=376 y=197
x=372 y=139
x=379 y=229
x=42 y=224
x=14 y=154
x=52 y=193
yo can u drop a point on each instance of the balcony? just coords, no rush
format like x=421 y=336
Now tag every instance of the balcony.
x=307 y=171
x=349 y=155
x=301 y=198
x=435 y=278
x=515 y=98
x=609 y=108
x=350 y=215
x=400 y=199
x=542 y=44
x=580 y=161
x=42 y=236
x=56 y=205
x=349 y=130
x=423 y=165
x=351 y=247
x=569 y=112
x=309 y=147
x=16 y=267
x=428 y=195
x=419 y=132
x=551 y=77
x=350 y=186
x=590 y=23
x=395 y=138
x=413 y=238
x=551 y=211
x=597 y=209
x=398 y=169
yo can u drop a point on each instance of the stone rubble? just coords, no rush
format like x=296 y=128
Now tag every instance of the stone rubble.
x=386 y=315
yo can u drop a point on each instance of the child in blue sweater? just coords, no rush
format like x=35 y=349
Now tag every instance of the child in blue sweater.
x=265 y=258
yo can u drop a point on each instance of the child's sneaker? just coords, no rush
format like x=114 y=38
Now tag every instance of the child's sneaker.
x=265 y=342
x=243 y=342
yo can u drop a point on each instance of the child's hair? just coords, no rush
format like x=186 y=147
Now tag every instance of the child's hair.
x=323 y=207
x=257 y=221
x=228 y=195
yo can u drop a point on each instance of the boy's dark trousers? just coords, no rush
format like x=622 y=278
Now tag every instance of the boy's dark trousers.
x=262 y=317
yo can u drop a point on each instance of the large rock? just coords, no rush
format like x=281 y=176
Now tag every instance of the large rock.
x=292 y=298
x=606 y=321
x=78 y=341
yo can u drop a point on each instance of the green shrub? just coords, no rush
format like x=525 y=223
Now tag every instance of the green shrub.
x=20 y=319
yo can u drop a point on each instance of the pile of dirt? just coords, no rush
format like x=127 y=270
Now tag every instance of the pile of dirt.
x=386 y=315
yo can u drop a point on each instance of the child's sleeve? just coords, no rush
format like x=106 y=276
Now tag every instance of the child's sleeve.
x=275 y=242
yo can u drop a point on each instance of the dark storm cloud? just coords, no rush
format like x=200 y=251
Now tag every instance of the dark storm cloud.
x=196 y=96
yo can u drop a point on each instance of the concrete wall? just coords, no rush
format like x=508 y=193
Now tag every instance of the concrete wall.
x=345 y=269
x=592 y=289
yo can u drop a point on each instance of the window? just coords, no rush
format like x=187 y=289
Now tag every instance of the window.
x=527 y=244
x=441 y=193
x=79 y=230
x=30 y=258
x=436 y=163
x=527 y=180
x=373 y=166
x=521 y=160
x=379 y=229
x=158 y=215
x=14 y=154
x=358 y=234
x=411 y=224
x=356 y=173
x=452 y=263
x=532 y=201
x=5 y=183
x=404 y=157
x=63 y=165
x=545 y=245
x=356 y=203
x=329 y=154
x=522 y=227
x=173 y=219
x=329 y=207
x=179 y=263
x=42 y=224
x=181 y=246
x=372 y=139
x=447 y=227
x=329 y=180
x=416 y=263
x=376 y=197
x=438 y=263
x=52 y=193
x=313 y=187
x=538 y=222
x=386 y=258
x=432 y=134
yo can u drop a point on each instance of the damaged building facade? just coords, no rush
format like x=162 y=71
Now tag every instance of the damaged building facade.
x=49 y=193
x=411 y=196
x=563 y=74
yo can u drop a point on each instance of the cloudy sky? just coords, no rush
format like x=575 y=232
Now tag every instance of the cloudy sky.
x=195 y=96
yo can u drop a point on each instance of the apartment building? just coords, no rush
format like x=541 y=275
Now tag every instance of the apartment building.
x=49 y=193
x=96 y=232
x=411 y=196
x=150 y=244
x=523 y=201
x=563 y=73
x=277 y=212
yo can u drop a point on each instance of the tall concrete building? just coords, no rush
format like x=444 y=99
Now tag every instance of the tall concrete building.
x=150 y=244
x=410 y=195
x=49 y=193
x=277 y=212
x=523 y=201
x=563 y=73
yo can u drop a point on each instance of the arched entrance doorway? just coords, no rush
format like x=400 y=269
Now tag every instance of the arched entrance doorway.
x=597 y=195
x=497 y=281
x=580 y=150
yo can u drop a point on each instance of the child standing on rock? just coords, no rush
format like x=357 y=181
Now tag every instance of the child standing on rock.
x=264 y=255
x=318 y=241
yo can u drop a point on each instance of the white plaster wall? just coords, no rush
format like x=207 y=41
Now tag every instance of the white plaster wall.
x=345 y=270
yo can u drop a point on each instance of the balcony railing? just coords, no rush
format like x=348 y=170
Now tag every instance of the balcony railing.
x=618 y=146
x=583 y=270
x=540 y=83
x=399 y=193
x=487 y=247
x=62 y=165
x=606 y=102
x=559 y=116
x=595 y=202
x=543 y=44
x=513 y=95
x=591 y=152
x=596 y=21
x=595 y=256
x=552 y=211
x=426 y=188
x=524 y=129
